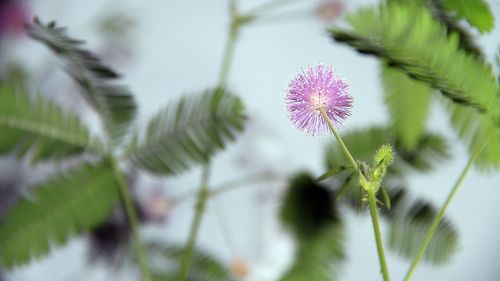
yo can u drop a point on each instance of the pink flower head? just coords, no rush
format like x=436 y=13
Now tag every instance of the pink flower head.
x=315 y=90
x=330 y=10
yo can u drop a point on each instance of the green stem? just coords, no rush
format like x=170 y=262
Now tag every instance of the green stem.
x=228 y=53
x=195 y=225
x=439 y=217
x=339 y=140
x=204 y=190
x=371 y=197
x=132 y=217
x=372 y=201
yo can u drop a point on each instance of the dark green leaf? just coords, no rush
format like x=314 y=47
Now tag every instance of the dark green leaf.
x=309 y=212
x=114 y=103
x=189 y=131
x=67 y=204
x=408 y=228
x=333 y=172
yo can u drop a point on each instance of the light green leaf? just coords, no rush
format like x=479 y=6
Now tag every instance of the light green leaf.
x=41 y=126
x=189 y=132
x=476 y=12
x=408 y=37
x=63 y=206
x=408 y=101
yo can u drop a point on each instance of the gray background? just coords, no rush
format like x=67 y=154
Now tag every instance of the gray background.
x=178 y=48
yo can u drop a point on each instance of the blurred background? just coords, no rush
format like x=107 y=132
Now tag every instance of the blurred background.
x=166 y=49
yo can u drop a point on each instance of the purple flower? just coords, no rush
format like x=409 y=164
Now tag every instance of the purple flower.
x=315 y=90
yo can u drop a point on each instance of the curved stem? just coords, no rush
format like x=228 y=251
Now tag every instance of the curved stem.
x=228 y=53
x=132 y=217
x=371 y=197
x=372 y=201
x=195 y=225
x=430 y=233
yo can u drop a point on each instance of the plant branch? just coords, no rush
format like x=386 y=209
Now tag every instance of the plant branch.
x=132 y=217
x=372 y=201
x=195 y=225
x=371 y=189
x=430 y=233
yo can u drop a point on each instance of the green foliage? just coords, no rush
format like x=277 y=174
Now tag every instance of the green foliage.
x=408 y=228
x=476 y=12
x=40 y=126
x=453 y=25
x=309 y=212
x=165 y=260
x=430 y=150
x=114 y=104
x=189 y=131
x=73 y=202
x=401 y=35
x=479 y=132
x=408 y=101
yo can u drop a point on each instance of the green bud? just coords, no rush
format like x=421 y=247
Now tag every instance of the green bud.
x=383 y=159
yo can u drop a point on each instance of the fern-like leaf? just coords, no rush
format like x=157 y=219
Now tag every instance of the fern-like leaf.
x=408 y=101
x=41 y=126
x=114 y=103
x=166 y=258
x=76 y=201
x=309 y=212
x=408 y=228
x=401 y=35
x=189 y=131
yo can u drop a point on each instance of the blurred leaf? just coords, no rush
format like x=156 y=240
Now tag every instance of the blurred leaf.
x=476 y=12
x=408 y=101
x=430 y=151
x=309 y=212
x=41 y=126
x=401 y=35
x=475 y=129
x=67 y=204
x=467 y=40
x=189 y=131
x=408 y=228
x=114 y=104
x=166 y=258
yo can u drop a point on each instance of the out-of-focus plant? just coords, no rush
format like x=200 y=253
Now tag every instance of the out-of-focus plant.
x=365 y=169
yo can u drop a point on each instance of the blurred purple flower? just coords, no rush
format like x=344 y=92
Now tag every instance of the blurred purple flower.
x=13 y=15
x=330 y=10
x=315 y=90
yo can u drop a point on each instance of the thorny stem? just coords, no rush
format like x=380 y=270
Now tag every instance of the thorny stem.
x=371 y=197
x=132 y=217
x=204 y=191
x=439 y=217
